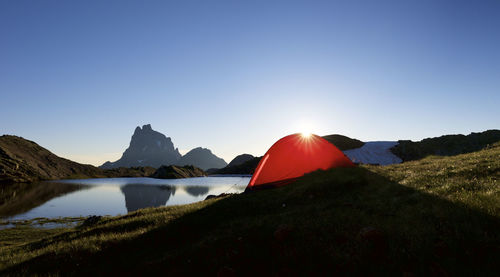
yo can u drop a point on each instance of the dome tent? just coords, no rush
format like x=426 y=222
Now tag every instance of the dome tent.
x=293 y=156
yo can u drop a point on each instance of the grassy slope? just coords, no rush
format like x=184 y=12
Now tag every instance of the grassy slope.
x=439 y=215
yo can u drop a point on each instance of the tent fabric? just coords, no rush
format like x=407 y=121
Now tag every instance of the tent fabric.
x=293 y=156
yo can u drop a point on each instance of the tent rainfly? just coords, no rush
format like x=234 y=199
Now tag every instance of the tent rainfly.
x=293 y=156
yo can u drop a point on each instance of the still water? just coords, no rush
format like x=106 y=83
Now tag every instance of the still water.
x=115 y=196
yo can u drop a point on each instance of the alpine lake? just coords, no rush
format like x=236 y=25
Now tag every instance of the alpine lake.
x=66 y=203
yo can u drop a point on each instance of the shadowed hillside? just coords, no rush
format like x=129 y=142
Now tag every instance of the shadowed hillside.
x=240 y=159
x=22 y=160
x=344 y=143
x=439 y=216
x=448 y=145
x=138 y=171
x=202 y=158
x=176 y=172
x=247 y=167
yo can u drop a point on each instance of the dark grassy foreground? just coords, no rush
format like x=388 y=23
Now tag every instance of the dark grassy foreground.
x=436 y=217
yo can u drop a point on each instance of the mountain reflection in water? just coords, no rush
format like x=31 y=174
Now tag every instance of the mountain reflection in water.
x=108 y=196
x=197 y=190
x=141 y=196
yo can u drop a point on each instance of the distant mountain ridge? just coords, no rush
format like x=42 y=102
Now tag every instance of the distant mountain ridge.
x=22 y=160
x=202 y=158
x=240 y=159
x=152 y=148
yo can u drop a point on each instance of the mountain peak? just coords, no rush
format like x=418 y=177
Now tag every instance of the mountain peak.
x=147 y=148
x=145 y=128
x=240 y=159
x=201 y=149
x=151 y=148
x=202 y=158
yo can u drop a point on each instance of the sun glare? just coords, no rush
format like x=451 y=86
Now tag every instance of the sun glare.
x=306 y=134
x=305 y=128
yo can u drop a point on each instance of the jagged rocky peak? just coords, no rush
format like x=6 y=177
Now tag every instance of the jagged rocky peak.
x=151 y=148
x=145 y=128
x=147 y=148
x=148 y=140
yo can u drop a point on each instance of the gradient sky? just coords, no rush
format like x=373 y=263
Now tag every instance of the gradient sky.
x=234 y=76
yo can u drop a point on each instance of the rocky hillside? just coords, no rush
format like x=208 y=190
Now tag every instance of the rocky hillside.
x=177 y=172
x=247 y=167
x=344 y=143
x=136 y=171
x=233 y=166
x=240 y=159
x=147 y=148
x=448 y=145
x=202 y=158
x=22 y=160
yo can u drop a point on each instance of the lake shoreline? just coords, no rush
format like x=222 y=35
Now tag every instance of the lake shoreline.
x=81 y=198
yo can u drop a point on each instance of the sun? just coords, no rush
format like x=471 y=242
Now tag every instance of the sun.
x=305 y=135
x=305 y=128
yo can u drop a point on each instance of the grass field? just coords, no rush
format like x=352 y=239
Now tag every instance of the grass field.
x=439 y=216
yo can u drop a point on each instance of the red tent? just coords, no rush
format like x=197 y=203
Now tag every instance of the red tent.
x=293 y=156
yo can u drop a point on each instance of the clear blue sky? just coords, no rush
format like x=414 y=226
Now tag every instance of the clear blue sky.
x=78 y=76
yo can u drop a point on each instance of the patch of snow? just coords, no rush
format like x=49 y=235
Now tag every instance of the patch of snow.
x=374 y=152
x=140 y=161
x=158 y=142
x=144 y=148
